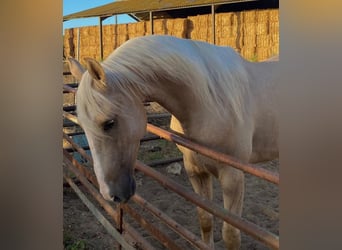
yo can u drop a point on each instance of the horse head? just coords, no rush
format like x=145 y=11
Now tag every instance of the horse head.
x=114 y=122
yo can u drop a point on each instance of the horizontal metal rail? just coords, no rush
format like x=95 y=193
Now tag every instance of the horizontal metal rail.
x=189 y=236
x=248 y=168
x=69 y=89
x=251 y=229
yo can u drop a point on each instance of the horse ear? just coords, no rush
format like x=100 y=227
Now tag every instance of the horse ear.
x=76 y=68
x=97 y=73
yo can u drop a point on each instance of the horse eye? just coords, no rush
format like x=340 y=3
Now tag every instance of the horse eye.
x=107 y=125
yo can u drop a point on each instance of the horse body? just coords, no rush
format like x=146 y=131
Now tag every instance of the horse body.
x=216 y=98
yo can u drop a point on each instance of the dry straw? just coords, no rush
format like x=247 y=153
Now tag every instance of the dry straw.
x=263 y=41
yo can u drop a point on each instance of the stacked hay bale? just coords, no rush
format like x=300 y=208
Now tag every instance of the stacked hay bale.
x=248 y=31
x=198 y=28
x=69 y=43
x=136 y=29
x=107 y=40
x=176 y=27
x=273 y=29
x=89 y=42
x=254 y=34
x=120 y=34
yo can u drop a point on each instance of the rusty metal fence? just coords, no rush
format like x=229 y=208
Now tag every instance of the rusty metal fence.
x=124 y=233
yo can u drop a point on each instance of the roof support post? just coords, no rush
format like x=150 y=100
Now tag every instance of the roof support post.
x=101 y=38
x=213 y=24
x=78 y=44
x=151 y=22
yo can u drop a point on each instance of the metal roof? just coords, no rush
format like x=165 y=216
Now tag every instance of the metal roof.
x=138 y=6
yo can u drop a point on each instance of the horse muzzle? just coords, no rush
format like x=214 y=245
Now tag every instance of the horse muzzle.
x=121 y=190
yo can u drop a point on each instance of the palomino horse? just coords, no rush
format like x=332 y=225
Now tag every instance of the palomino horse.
x=216 y=98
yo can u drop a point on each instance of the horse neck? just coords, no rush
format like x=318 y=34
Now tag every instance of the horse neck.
x=177 y=98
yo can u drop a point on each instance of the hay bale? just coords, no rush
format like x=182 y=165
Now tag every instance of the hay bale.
x=249 y=16
x=84 y=31
x=248 y=53
x=262 y=16
x=273 y=28
x=262 y=28
x=140 y=27
x=274 y=39
x=93 y=31
x=274 y=15
x=121 y=29
x=108 y=30
x=159 y=27
x=249 y=29
x=84 y=41
x=131 y=28
x=263 y=41
x=274 y=50
x=262 y=53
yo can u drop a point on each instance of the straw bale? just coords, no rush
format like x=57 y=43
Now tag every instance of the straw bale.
x=274 y=39
x=231 y=41
x=274 y=15
x=249 y=16
x=179 y=24
x=262 y=53
x=84 y=41
x=249 y=41
x=261 y=28
x=180 y=34
x=84 y=31
x=121 y=39
x=274 y=50
x=93 y=31
x=108 y=30
x=248 y=53
x=273 y=28
x=121 y=29
x=262 y=16
x=169 y=25
x=249 y=29
x=158 y=26
x=131 y=28
x=148 y=28
x=107 y=39
x=140 y=27
x=92 y=40
x=263 y=41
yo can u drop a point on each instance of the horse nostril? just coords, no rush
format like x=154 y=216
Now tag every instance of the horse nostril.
x=117 y=199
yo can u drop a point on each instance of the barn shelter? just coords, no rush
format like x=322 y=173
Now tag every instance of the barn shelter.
x=158 y=9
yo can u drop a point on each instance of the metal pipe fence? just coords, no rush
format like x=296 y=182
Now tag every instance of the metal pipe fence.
x=121 y=227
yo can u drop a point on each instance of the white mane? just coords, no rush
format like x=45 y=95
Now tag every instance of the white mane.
x=215 y=74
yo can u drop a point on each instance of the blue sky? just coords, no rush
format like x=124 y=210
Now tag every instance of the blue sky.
x=72 y=6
